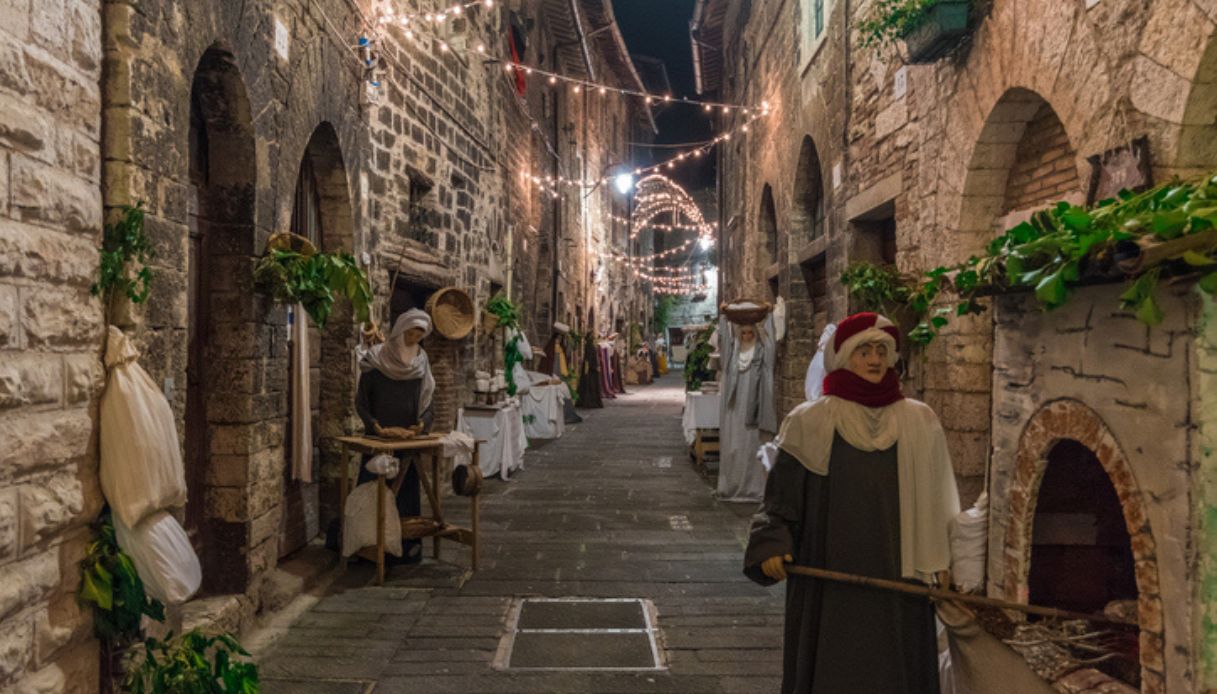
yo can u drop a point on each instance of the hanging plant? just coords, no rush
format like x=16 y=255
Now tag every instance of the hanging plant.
x=110 y=583
x=126 y=251
x=193 y=663
x=313 y=280
x=1170 y=229
x=697 y=364
x=506 y=311
x=929 y=28
x=508 y=315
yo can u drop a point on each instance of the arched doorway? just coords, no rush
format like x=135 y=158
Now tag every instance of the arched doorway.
x=769 y=235
x=222 y=369
x=1023 y=160
x=807 y=214
x=321 y=212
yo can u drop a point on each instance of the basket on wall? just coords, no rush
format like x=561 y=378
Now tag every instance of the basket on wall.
x=452 y=313
x=287 y=241
x=739 y=314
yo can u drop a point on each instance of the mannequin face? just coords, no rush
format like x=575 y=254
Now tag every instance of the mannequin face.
x=413 y=336
x=747 y=336
x=869 y=361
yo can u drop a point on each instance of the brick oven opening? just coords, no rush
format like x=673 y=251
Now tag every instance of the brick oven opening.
x=1081 y=553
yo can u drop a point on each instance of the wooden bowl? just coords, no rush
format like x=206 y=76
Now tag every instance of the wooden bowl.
x=746 y=316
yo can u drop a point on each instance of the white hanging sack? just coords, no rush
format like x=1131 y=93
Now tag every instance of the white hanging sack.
x=163 y=557
x=141 y=465
x=359 y=521
x=968 y=534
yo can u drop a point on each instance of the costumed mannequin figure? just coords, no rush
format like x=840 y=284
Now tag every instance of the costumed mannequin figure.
x=556 y=363
x=394 y=394
x=747 y=409
x=863 y=484
x=589 y=376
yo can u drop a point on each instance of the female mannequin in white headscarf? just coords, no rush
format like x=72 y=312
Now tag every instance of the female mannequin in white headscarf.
x=395 y=390
x=747 y=410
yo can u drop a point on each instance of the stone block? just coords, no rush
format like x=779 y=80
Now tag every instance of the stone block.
x=30 y=379
x=33 y=441
x=10 y=325
x=84 y=377
x=46 y=195
x=8 y=523
x=49 y=507
x=23 y=127
x=16 y=647
x=69 y=96
x=63 y=622
x=14 y=73
x=26 y=582
x=57 y=318
x=37 y=253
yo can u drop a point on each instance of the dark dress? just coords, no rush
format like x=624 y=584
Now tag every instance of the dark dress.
x=393 y=403
x=589 y=380
x=840 y=638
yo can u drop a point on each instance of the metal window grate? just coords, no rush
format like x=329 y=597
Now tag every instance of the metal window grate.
x=580 y=634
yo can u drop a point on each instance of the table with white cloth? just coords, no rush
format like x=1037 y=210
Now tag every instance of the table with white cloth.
x=701 y=412
x=501 y=428
x=543 y=408
x=700 y=423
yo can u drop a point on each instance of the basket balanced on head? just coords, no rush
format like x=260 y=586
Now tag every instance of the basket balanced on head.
x=745 y=311
x=452 y=313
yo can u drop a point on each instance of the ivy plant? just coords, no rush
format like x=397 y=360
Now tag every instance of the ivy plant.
x=313 y=280
x=1171 y=228
x=508 y=314
x=891 y=20
x=126 y=251
x=697 y=364
x=192 y=663
x=878 y=288
x=110 y=583
x=505 y=310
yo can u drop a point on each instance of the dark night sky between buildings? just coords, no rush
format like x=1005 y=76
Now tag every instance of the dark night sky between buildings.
x=660 y=29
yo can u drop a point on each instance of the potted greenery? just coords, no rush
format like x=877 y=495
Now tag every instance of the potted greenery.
x=929 y=28
x=293 y=271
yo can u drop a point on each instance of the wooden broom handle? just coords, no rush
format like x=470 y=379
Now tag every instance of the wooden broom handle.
x=926 y=591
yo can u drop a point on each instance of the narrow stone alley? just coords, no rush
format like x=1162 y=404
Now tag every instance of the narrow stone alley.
x=611 y=510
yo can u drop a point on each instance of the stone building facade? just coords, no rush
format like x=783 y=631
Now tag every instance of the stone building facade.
x=230 y=122
x=867 y=158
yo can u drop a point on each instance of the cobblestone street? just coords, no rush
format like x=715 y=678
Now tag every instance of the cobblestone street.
x=612 y=510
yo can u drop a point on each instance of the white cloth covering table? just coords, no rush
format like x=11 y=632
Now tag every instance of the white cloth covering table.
x=501 y=427
x=544 y=416
x=701 y=412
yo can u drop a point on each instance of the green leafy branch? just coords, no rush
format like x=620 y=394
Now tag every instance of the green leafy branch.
x=1171 y=228
x=314 y=280
x=891 y=20
x=125 y=243
x=697 y=364
x=193 y=663
x=505 y=310
x=111 y=584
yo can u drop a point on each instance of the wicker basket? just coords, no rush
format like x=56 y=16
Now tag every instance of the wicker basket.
x=489 y=322
x=414 y=527
x=287 y=241
x=452 y=313
x=750 y=316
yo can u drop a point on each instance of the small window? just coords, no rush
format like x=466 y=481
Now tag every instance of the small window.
x=813 y=24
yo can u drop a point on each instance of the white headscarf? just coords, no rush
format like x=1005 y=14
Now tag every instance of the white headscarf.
x=391 y=358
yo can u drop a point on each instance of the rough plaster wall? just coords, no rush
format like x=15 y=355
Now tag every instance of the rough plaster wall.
x=1204 y=455
x=1135 y=378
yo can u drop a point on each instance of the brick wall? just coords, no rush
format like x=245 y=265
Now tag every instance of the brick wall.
x=1044 y=169
x=50 y=339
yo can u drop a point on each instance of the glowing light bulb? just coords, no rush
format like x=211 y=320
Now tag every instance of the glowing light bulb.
x=577 y=89
x=553 y=80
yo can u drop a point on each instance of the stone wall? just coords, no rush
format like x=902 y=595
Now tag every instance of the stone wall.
x=947 y=155
x=50 y=339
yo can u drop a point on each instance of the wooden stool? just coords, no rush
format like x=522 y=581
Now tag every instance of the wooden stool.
x=706 y=441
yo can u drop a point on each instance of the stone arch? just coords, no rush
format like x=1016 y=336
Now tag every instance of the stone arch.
x=1022 y=160
x=1055 y=422
x=321 y=209
x=1197 y=149
x=807 y=214
x=228 y=336
x=768 y=225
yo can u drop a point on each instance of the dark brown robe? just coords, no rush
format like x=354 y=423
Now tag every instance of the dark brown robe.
x=839 y=638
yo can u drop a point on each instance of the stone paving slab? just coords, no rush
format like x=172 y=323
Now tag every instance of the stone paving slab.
x=599 y=513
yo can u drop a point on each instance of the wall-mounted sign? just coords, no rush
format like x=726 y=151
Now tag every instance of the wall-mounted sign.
x=1125 y=167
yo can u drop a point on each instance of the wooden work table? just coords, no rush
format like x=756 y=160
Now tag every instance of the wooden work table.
x=430 y=450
